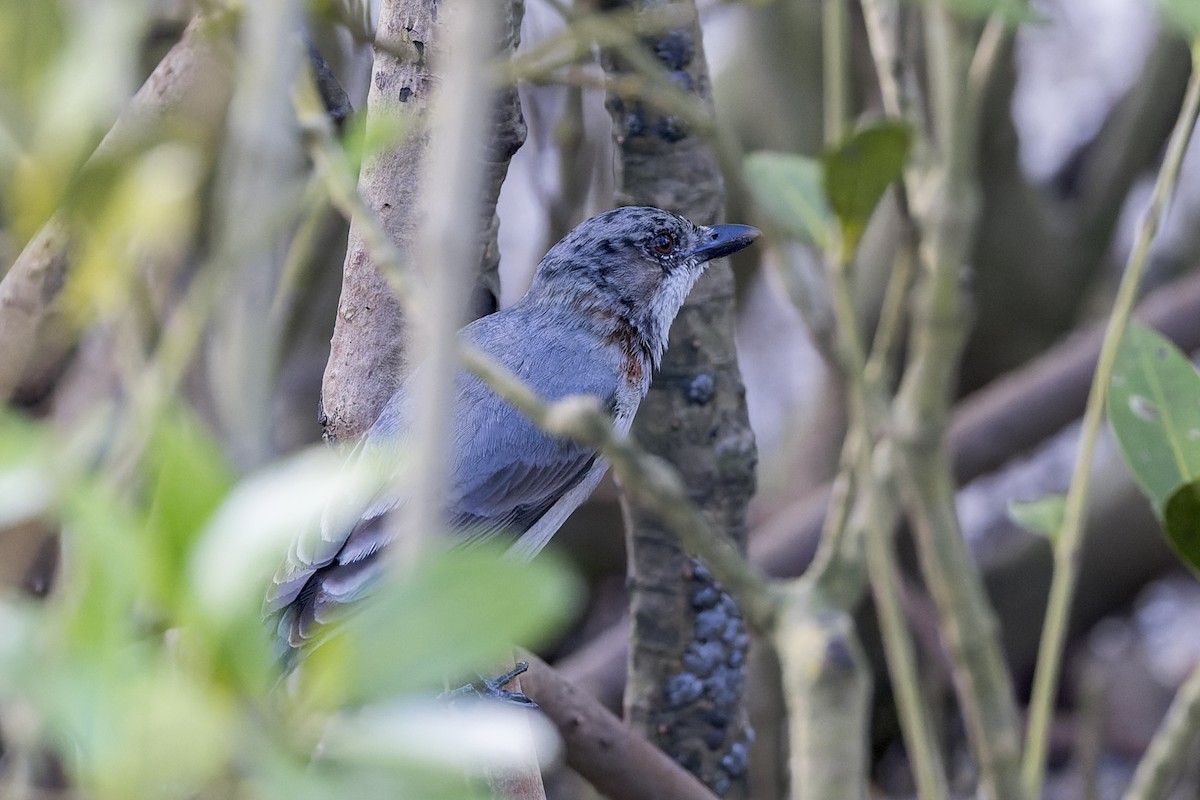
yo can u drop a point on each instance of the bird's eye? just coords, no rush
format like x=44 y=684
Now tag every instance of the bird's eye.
x=664 y=244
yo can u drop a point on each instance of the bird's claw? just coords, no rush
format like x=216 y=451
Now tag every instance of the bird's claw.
x=493 y=689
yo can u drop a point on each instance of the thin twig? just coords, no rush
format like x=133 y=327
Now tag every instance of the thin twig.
x=650 y=480
x=880 y=511
x=835 y=42
x=1170 y=747
x=983 y=61
x=1070 y=538
x=945 y=206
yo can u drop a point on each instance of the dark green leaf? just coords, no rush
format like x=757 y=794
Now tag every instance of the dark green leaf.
x=1044 y=515
x=859 y=170
x=788 y=189
x=190 y=477
x=1154 y=410
x=1181 y=517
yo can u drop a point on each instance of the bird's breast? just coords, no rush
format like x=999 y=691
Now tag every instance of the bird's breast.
x=634 y=358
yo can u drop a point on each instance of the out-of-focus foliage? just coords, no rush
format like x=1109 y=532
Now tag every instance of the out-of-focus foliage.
x=58 y=95
x=147 y=690
x=1044 y=515
x=1154 y=409
x=150 y=671
x=859 y=170
x=790 y=191
x=803 y=196
x=1183 y=14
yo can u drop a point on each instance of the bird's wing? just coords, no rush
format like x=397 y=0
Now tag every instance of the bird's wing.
x=506 y=475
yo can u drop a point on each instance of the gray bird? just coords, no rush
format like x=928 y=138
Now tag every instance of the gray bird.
x=594 y=322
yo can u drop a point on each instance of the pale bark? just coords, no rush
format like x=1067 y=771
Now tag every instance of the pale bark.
x=189 y=90
x=369 y=351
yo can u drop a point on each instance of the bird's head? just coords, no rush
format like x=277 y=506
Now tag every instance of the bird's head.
x=636 y=263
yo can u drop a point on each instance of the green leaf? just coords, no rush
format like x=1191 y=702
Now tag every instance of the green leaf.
x=859 y=170
x=1154 y=410
x=1182 y=14
x=448 y=619
x=190 y=478
x=1181 y=517
x=1044 y=515
x=788 y=189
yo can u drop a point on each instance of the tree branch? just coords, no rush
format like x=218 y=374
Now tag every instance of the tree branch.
x=191 y=86
x=617 y=760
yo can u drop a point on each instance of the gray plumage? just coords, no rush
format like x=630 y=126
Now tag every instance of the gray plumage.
x=594 y=321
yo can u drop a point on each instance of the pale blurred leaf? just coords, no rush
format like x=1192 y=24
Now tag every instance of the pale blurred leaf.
x=1182 y=14
x=460 y=612
x=1044 y=515
x=469 y=737
x=788 y=189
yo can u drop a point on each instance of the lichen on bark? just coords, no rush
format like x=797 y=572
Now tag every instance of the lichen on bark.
x=687 y=660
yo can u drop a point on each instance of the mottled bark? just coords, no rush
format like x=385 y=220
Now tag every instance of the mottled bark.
x=189 y=90
x=368 y=352
x=687 y=662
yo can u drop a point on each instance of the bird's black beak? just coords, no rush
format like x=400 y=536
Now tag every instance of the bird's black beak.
x=721 y=240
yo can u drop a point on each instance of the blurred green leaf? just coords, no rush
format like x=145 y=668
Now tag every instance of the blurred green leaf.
x=189 y=477
x=459 y=613
x=140 y=727
x=144 y=207
x=101 y=605
x=31 y=37
x=788 y=189
x=1182 y=14
x=859 y=170
x=1044 y=515
x=1181 y=518
x=1154 y=410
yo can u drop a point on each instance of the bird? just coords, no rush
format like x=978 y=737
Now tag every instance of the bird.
x=594 y=321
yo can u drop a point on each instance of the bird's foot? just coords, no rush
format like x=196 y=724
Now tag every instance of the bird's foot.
x=493 y=689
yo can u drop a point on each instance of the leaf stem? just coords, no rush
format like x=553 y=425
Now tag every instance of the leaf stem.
x=1070 y=538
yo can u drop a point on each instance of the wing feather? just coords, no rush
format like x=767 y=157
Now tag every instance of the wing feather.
x=506 y=475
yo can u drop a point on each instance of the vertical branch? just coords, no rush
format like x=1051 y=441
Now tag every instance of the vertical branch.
x=687 y=661
x=506 y=133
x=835 y=43
x=368 y=353
x=828 y=751
x=944 y=206
x=451 y=184
x=261 y=164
